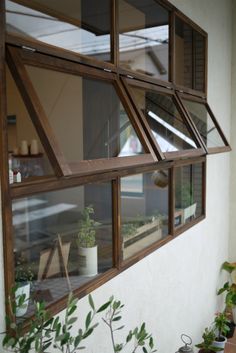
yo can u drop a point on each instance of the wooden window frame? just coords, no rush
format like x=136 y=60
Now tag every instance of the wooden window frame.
x=199 y=151
x=64 y=178
x=209 y=150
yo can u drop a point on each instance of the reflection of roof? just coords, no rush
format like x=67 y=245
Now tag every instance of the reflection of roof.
x=92 y=38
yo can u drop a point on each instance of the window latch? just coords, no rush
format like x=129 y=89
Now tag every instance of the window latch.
x=107 y=70
x=28 y=48
x=129 y=76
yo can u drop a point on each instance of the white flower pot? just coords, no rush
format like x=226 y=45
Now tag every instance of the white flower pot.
x=220 y=344
x=24 y=289
x=88 y=261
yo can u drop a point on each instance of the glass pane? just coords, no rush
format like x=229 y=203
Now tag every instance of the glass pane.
x=166 y=123
x=188 y=193
x=82 y=26
x=144 y=210
x=204 y=123
x=62 y=239
x=89 y=111
x=27 y=156
x=189 y=56
x=144 y=37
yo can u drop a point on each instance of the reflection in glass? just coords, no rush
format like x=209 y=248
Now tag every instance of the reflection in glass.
x=144 y=210
x=30 y=163
x=204 y=123
x=166 y=123
x=82 y=26
x=188 y=193
x=144 y=36
x=189 y=56
x=62 y=239
x=89 y=111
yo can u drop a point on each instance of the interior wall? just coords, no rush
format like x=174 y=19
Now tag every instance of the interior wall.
x=174 y=289
x=232 y=247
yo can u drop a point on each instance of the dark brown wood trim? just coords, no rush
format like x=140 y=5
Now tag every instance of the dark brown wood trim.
x=37 y=113
x=21 y=41
x=214 y=150
x=184 y=95
x=9 y=273
x=116 y=223
x=189 y=225
x=171 y=200
x=204 y=191
x=190 y=92
x=183 y=162
x=52 y=183
x=172 y=48
x=115 y=33
x=184 y=154
x=57 y=64
x=187 y=20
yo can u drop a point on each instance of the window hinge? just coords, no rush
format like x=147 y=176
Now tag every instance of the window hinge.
x=129 y=76
x=28 y=48
x=107 y=70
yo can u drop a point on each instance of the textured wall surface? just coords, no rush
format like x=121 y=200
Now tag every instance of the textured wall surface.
x=174 y=288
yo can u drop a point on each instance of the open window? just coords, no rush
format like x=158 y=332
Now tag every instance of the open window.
x=205 y=123
x=85 y=113
x=165 y=121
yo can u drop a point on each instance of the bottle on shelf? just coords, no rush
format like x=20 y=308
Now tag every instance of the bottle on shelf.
x=11 y=174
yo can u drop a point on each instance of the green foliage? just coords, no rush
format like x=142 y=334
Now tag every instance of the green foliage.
x=87 y=228
x=23 y=272
x=140 y=337
x=229 y=267
x=221 y=324
x=183 y=195
x=230 y=299
x=208 y=339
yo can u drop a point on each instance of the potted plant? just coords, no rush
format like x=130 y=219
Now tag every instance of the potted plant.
x=230 y=299
x=207 y=345
x=184 y=201
x=23 y=279
x=88 y=263
x=221 y=328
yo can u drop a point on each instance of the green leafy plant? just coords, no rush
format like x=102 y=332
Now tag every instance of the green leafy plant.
x=139 y=336
x=23 y=272
x=229 y=266
x=230 y=299
x=207 y=344
x=183 y=195
x=87 y=228
x=221 y=325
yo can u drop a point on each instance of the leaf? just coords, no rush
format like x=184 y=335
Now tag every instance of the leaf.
x=71 y=310
x=90 y=299
x=88 y=320
x=117 y=318
x=103 y=307
x=72 y=320
x=144 y=350
x=88 y=333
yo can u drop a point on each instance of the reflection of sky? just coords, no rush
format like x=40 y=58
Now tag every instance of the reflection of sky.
x=131 y=147
x=41 y=213
x=171 y=128
x=20 y=205
x=52 y=31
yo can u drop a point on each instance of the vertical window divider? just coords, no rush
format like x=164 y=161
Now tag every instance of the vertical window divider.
x=5 y=187
x=204 y=176
x=172 y=47
x=171 y=201
x=116 y=223
x=114 y=33
x=37 y=113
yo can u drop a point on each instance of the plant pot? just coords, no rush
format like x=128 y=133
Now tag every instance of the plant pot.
x=202 y=350
x=23 y=289
x=220 y=343
x=88 y=261
x=231 y=326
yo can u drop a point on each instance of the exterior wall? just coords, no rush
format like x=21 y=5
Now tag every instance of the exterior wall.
x=232 y=248
x=174 y=289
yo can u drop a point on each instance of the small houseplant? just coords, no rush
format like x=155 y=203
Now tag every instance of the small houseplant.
x=86 y=241
x=23 y=279
x=221 y=328
x=207 y=345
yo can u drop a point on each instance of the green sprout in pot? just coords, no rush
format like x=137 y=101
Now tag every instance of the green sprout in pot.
x=221 y=326
x=206 y=346
x=87 y=229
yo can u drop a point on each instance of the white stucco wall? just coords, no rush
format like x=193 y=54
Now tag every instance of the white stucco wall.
x=232 y=249
x=174 y=289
